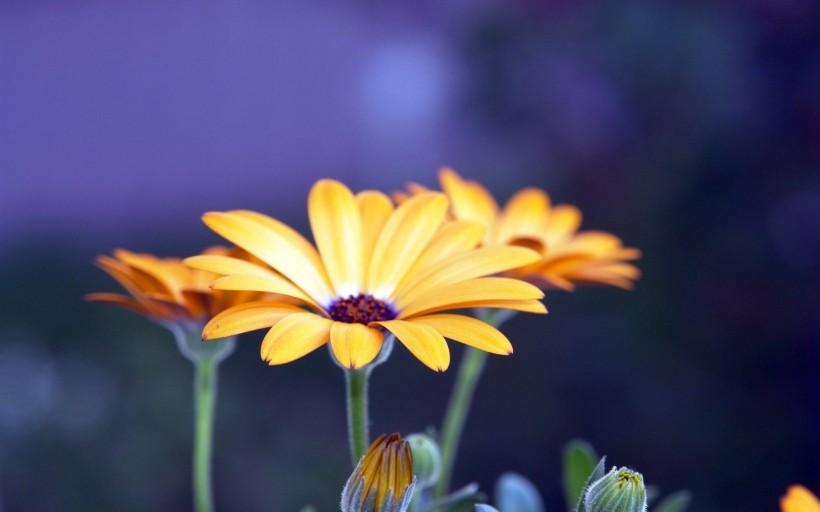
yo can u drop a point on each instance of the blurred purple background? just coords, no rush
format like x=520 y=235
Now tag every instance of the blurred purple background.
x=691 y=129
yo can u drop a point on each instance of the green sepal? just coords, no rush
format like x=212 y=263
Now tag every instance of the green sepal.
x=596 y=474
x=579 y=463
x=191 y=345
x=675 y=502
x=514 y=493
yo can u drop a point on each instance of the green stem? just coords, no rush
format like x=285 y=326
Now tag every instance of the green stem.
x=469 y=372
x=472 y=364
x=206 y=358
x=357 y=420
x=205 y=402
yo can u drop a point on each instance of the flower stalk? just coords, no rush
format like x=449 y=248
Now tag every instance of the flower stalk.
x=357 y=415
x=205 y=404
x=469 y=372
x=205 y=357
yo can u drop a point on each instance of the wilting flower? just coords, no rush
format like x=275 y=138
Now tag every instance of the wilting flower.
x=568 y=257
x=376 y=268
x=620 y=490
x=383 y=480
x=165 y=289
x=799 y=499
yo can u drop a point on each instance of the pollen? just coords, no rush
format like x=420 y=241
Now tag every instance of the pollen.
x=628 y=477
x=361 y=309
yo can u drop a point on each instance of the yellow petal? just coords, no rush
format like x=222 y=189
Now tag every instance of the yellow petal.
x=404 y=236
x=337 y=229
x=618 y=275
x=474 y=292
x=451 y=238
x=422 y=341
x=225 y=265
x=469 y=200
x=463 y=266
x=119 y=300
x=599 y=243
x=295 y=336
x=799 y=499
x=135 y=282
x=527 y=306
x=277 y=245
x=552 y=280
x=354 y=345
x=269 y=284
x=246 y=317
x=564 y=221
x=469 y=331
x=375 y=208
x=525 y=216
x=163 y=271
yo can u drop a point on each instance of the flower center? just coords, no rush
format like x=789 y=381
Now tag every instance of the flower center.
x=361 y=309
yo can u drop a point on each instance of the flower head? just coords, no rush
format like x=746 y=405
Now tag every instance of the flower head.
x=620 y=490
x=568 y=257
x=799 y=499
x=383 y=480
x=165 y=289
x=375 y=268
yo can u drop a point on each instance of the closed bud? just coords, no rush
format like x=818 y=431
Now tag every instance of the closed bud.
x=620 y=490
x=383 y=480
x=426 y=460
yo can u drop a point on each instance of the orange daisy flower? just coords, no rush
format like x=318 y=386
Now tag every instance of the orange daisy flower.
x=374 y=268
x=568 y=257
x=165 y=289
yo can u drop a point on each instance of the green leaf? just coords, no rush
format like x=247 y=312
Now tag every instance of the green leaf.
x=675 y=502
x=596 y=474
x=514 y=493
x=579 y=462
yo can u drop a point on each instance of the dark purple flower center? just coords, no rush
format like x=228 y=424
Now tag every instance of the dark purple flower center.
x=361 y=309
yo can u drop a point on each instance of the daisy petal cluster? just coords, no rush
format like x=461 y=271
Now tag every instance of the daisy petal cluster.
x=529 y=219
x=375 y=268
x=165 y=289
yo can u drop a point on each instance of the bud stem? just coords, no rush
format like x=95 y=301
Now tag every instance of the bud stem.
x=357 y=417
x=469 y=372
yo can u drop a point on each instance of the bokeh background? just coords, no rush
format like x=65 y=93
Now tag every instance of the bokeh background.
x=689 y=128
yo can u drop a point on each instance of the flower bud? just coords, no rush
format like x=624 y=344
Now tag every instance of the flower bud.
x=383 y=480
x=426 y=459
x=620 y=490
